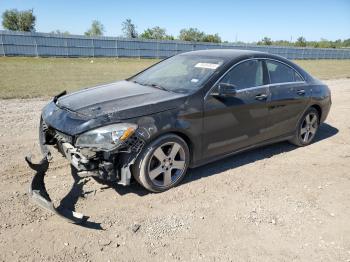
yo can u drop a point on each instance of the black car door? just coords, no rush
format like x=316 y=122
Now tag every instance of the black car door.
x=234 y=122
x=289 y=97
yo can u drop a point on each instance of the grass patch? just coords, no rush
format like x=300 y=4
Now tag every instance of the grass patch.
x=326 y=69
x=26 y=77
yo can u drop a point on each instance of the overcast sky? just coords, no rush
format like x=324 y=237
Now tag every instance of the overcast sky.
x=247 y=20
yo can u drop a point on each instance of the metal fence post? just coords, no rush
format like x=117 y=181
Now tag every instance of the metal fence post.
x=36 y=47
x=139 y=49
x=93 y=48
x=302 y=53
x=116 y=48
x=2 y=45
x=66 y=46
x=286 y=52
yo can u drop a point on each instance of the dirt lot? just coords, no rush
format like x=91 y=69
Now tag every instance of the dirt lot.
x=277 y=203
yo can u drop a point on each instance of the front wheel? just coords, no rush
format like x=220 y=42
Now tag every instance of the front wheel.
x=307 y=128
x=162 y=164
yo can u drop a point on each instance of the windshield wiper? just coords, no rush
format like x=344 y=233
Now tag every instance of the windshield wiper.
x=158 y=86
x=136 y=82
x=152 y=85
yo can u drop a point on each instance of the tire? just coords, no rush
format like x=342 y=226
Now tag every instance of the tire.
x=307 y=128
x=162 y=164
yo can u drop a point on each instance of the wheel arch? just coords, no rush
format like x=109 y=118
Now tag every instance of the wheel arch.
x=180 y=134
x=319 y=110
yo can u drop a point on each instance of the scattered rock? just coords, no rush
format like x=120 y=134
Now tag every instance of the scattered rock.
x=135 y=227
x=66 y=244
x=253 y=217
x=104 y=242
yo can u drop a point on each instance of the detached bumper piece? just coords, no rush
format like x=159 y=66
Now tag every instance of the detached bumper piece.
x=40 y=196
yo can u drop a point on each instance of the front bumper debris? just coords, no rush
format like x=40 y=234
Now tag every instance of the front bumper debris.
x=113 y=166
x=40 y=196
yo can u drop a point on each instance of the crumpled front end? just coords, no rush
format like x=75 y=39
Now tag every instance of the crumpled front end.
x=109 y=165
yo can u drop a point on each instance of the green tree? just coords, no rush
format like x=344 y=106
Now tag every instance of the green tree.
x=169 y=37
x=282 y=43
x=191 y=34
x=96 y=29
x=129 y=29
x=212 y=38
x=338 y=43
x=154 y=33
x=346 y=43
x=59 y=32
x=265 y=41
x=19 y=20
x=301 y=41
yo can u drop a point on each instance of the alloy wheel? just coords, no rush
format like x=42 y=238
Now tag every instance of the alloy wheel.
x=167 y=164
x=309 y=127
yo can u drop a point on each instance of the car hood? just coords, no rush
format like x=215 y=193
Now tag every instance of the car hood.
x=121 y=99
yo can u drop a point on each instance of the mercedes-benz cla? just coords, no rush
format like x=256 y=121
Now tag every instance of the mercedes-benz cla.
x=185 y=111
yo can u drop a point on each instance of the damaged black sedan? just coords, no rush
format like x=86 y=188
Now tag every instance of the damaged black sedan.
x=182 y=112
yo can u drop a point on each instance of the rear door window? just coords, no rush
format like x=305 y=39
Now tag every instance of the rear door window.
x=281 y=73
x=246 y=74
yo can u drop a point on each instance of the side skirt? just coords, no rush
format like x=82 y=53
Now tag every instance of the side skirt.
x=264 y=143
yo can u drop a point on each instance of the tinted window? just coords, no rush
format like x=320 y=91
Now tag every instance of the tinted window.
x=280 y=73
x=246 y=74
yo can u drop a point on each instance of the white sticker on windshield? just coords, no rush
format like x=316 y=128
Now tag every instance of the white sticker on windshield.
x=194 y=80
x=207 y=65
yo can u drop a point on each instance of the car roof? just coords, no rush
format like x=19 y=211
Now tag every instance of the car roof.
x=226 y=53
x=235 y=55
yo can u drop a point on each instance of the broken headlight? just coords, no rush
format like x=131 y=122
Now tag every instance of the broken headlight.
x=107 y=137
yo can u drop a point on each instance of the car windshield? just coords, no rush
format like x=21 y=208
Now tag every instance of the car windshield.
x=180 y=74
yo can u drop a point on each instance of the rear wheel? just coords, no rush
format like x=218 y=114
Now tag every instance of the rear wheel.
x=162 y=164
x=307 y=128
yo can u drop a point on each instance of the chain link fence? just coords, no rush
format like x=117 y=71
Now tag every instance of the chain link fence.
x=44 y=45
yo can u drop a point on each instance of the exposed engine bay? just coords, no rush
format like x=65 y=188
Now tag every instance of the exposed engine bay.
x=113 y=165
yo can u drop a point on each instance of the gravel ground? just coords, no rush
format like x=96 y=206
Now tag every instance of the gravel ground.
x=277 y=203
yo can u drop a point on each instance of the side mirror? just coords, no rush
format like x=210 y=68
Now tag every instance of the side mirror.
x=225 y=89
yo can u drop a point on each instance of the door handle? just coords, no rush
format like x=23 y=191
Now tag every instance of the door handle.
x=261 y=97
x=301 y=92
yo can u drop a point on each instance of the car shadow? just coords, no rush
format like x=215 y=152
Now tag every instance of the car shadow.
x=76 y=192
x=71 y=199
x=325 y=131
